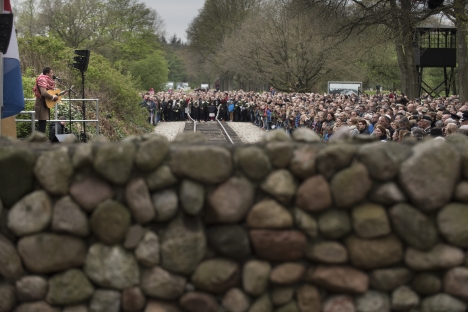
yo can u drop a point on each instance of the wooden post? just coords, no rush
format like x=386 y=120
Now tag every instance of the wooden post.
x=9 y=127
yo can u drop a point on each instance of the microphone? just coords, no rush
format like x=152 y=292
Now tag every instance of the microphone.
x=58 y=78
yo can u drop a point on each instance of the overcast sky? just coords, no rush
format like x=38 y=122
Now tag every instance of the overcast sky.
x=177 y=14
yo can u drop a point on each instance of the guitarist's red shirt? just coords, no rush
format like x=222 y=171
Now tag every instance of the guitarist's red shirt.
x=45 y=82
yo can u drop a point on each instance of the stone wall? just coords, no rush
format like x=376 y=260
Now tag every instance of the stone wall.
x=285 y=225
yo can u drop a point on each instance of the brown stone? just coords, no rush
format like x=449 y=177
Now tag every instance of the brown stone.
x=281 y=295
x=162 y=284
x=339 y=304
x=281 y=185
x=438 y=258
x=37 y=306
x=134 y=235
x=31 y=288
x=280 y=153
x=287 y=273
x=278 y=245
x=255 y=276
x=230 y=202
x=69 y=217
x=133 y=299
x=7 y=298
x=269 y=214
x=302 y=164
x=340 y=279
x=327 y=252
x=351 y=185
x=198 y=302
x=110 y=222
x=389 y=279
x=139 y=201
x=90 y=191
x=374 y=253
x=235 y=300
x=161 y=306
x=456 y=282
x=314 y=194
x=308 y=298
x=48 y=253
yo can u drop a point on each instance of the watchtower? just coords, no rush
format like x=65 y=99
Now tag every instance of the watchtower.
x=436 y=47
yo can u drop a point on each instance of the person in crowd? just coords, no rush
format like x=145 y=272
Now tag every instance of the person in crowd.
x=381 y=132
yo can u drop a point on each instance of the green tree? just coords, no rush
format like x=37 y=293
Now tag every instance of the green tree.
x=152 y=71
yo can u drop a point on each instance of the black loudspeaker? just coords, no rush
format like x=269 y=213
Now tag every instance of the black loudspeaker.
x=62 y=137
x=81 y=60
x=6 y=26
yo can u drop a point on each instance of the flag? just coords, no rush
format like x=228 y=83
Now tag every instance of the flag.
x=13 y=97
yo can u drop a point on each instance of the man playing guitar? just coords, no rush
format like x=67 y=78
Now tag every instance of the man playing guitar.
x=43 y=83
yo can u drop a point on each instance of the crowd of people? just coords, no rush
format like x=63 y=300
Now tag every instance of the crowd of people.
x=391 y=116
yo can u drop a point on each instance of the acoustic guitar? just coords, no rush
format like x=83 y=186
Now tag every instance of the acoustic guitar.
x=50 y=103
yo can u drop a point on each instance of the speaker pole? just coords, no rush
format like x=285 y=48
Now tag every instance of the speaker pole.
x=83 y=106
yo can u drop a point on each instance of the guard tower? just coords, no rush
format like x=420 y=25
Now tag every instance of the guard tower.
x=436 y=47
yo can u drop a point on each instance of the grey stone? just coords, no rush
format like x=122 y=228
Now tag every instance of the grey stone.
x=69 y=287
x=341 y=303
x=162 y=284
x=351 y=185
x=216 y=275
x=190 y=138
x=231 y=241
x=255 y=276
x=7 y=298
x=430 y=189
x=305 y=222
x=54 y=170
x=438 y=258
x=31 y=288
x=151 y=153
x=308 y=298
x=110 y=222
x=269 y=214
x=276 y=136
x=383 y=160
x=370 y=221
x=161 y=306
x=48 y=253
x=456 y=282
x=374 y=253
x=16 y=170
x=426 y=284
x=262 y=304
x=105 y=301
x=442 y=303
x=302 y=164
x=90 y=192
x=404 y=299
x=183 y=245
x=413 y=227
x=68 y=217
x=289 y=307
x=198 y=302
x=461 y=192
x=82 y=156
x=373 y=301
x=35 y=307
x=147 y=251
x=230 y=201
x=139 y=201
x=387 y=194
x=334 y=223
x=161 y=178
x=327 y=252
x=287 y=273
x=280 y=153
x=10 y=261
x=123 y=273
x=37 y=137
x=192 y=197
x=134 y=235
x=253 y=162
x=166 y=204
x=452 y=221
x=235 y=300
x=305 y=135
x=31 y=214
x=314 y=194
x=334 y=158
x=207 y=164
x=389 y=279
x=133 y=299
x=280 y=295
x=114 y=161
x=281 y=184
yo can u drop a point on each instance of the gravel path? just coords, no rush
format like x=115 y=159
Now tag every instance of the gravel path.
x=247 y=131
x=170 y=129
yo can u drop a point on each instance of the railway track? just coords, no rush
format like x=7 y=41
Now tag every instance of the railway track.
x=217 y=132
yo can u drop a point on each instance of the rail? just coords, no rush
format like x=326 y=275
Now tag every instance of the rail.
x=224 y=129
x=194 y=122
